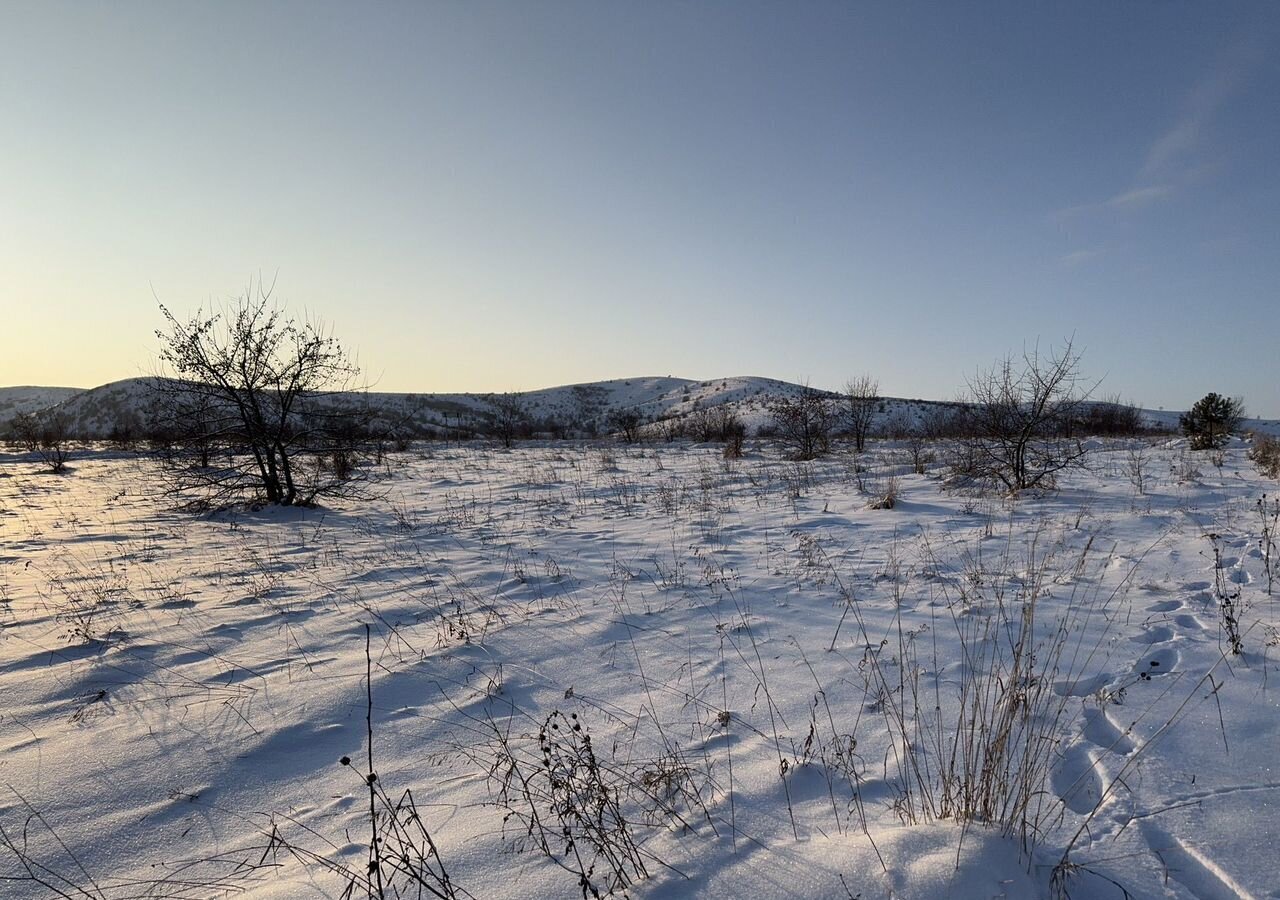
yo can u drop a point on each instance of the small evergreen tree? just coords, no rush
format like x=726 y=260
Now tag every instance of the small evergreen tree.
x=1210 y=422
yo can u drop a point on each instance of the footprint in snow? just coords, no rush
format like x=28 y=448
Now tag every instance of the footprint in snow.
x=1204 y=598
x=1105 y=733
x=1077 y=779
x=1082 y=687
x=1155 y=635
x=1188 y=621
x=1158 y=662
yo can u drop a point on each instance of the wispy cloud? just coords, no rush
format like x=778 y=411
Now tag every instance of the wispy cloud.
x=1139 y=197
x=1128 y=200
x=1168 y=156
x=1080 y=257
x=1171 y=160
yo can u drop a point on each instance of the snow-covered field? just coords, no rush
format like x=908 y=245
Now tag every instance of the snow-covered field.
x=788 y=693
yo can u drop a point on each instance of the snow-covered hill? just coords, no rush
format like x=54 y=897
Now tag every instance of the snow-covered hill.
x=15 y=401
x=95 y=413
x=568 y=409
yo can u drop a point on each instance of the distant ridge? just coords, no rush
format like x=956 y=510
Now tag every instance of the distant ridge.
x=32 y=398
x=94 y=413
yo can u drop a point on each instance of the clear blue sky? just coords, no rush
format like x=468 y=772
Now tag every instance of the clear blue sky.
x=507 y=196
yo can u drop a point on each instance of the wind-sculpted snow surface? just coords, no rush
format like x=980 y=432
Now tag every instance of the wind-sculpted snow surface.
x=644 y=670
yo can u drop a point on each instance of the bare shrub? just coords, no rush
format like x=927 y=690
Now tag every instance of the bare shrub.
x=1136 y=466
x=885 y=494
x=700 y=424
x=1265 y=454
x=1183 y=469
x=983 y=747
x=570 y=806
x=735 y=436
x=939 y=421
x=719 y=423
x=1269 y=533
x=1019 y=418
x=862 y=397
x=897 y=426
x=671 y=428
x=628 y=422
x=45 y=436
x=509 y=417
x=803 y=423
x=1111 y=417
x=1227 y=594
x=262 y=388
x=917 y=442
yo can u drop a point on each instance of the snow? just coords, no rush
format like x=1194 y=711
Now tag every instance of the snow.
x=172 y=685
x=93 y=414
x=15 y=401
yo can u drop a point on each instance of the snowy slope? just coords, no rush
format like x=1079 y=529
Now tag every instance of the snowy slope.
x=29 y=399
x=93 y=414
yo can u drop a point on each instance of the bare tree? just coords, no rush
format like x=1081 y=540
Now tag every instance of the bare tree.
x=44 y=435
x=898 y=426
x=1111 y=416
x=713 y=423
x=735 y=436
x=671 y=427
x=181 y=424
x=804 y=422
x=916 y=438
x=701 y=424
x=628 y=421
x=941 y=420
x=509 y=416
x=862 y=397
x=261 y=388
x=1018 y=417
